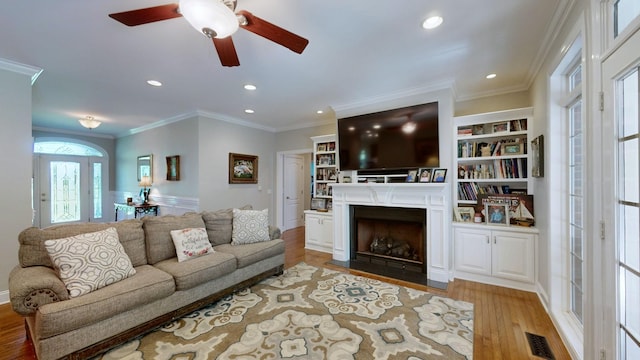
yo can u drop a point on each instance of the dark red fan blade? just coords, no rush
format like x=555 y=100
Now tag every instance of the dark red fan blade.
x=274 y=33
x=147 y=15
x=226 y=51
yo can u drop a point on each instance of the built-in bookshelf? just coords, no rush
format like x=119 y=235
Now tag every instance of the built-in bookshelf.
x=325 y=166
x=493 y=157
x=492 y=154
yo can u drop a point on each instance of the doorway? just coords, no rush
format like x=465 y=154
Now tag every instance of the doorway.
x=293 y=191
x=67 y=187
x=621 y=199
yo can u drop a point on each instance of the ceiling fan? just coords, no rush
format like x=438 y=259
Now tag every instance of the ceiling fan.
x=217 y=20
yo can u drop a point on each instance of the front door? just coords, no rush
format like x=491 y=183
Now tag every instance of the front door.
x=67 y=189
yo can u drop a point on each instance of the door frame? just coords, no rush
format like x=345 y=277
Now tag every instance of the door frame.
x=620 y=59
x=107 y=210
x=280 y=181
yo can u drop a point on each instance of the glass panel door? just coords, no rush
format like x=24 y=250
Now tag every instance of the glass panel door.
x=628 y=205
x=621 y=195
x=65 y=195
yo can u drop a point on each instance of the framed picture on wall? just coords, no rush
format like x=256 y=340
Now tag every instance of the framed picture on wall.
x=243 y=169
x=173 y=168
x=537 y=156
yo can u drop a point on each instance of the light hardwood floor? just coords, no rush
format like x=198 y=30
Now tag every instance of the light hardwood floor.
x=502 y=315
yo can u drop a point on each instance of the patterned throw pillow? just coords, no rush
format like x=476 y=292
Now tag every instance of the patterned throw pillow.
x=90 y=261
x=250 y=226
x=191 y=243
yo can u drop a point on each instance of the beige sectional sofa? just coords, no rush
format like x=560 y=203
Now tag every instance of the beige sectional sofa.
x=162 y=288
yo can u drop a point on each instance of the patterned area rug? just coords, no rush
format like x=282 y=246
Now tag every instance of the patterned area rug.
x=315 y=313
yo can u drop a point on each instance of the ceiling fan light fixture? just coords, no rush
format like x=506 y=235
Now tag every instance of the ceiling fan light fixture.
x=89 y=122
x=210 y=17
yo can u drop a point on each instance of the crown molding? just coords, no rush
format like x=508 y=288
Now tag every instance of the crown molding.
x=233 y=120
x=407 y=97
x=19 y=68
x=70 y=132
x=192 y=114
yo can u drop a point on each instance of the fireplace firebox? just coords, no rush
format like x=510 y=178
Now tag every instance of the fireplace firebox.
x=389 y=241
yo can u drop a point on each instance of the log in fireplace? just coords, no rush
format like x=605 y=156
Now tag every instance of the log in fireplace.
x=389 y=241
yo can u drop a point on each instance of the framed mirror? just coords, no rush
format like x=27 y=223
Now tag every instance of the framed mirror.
x=145 y=167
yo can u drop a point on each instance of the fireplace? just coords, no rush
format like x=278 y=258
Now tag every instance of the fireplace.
x=427 y=265
x=389 y=238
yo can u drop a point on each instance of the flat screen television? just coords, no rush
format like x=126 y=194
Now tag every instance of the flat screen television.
x=397 y=139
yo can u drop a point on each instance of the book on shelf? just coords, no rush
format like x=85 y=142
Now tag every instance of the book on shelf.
x=471 y=190
x=465 y=131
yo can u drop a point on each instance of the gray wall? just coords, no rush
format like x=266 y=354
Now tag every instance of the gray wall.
x=15 y=181
x=179 y=138
x=216 y=140
x=540 y=97
x=204 y=145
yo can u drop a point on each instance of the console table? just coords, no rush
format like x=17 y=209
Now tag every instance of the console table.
x=142 y=209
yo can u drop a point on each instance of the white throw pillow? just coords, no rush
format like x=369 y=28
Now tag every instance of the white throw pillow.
x=250 y=226
x=90 y=261
x=191 y=243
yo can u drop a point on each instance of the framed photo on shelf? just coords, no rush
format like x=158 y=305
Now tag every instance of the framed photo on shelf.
x=243 y=169
x=439 y=175
x=318 y=203
x=322 y=147
x=424 y=175
x=464 y=213
x=537 y=156
x=512 y=148
x=500 y=127
x=496 y=214
x=412 y=175
x=520 y=207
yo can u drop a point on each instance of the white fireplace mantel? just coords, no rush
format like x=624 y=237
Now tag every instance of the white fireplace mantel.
x=435 y=198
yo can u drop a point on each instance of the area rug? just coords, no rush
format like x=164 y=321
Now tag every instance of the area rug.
x=315 y=313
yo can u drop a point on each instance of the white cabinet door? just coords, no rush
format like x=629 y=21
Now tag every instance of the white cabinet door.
x=472 y=251
x=512 y=256
x=318 y=231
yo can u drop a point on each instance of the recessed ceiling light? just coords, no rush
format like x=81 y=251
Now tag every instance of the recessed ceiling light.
x=432 y=22
x=154 y=83
x=491 y=76
x=376 y=126
x=249 y=111
x=319 y=112
x=250 y=87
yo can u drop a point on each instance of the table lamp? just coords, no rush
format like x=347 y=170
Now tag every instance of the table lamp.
x=145 y=184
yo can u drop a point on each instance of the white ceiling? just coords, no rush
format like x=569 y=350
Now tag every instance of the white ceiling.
x=358 y=50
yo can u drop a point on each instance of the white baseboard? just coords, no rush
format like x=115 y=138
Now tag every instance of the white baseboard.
x=4 y=297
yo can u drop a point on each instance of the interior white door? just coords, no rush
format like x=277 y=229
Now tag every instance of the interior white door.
x=621 y=200
x=293 y=191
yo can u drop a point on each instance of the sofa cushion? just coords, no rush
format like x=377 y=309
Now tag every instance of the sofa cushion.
x=147 y=285
x=252 y=253
x=219 y=224
x=250 y=226
x=191 y=243
x=33 y=253
x=198 y=270
x=90 y=261
x=157 y=233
